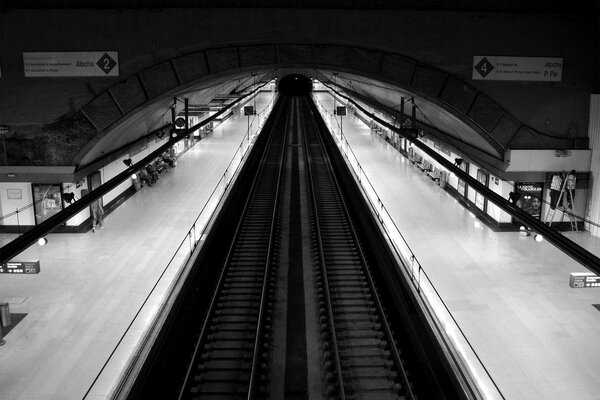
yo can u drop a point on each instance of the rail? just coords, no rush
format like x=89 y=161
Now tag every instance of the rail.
x=28 y=238
x=407 y=389
x=194 y=236
x=438 y=311
x=215 y=299
x=570 y=248
x=264 y=296
x=313 y=199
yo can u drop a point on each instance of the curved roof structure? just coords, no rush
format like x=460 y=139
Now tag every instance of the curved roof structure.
x=451 y=110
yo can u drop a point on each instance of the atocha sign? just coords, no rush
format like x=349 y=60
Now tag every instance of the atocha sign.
x=92 y=63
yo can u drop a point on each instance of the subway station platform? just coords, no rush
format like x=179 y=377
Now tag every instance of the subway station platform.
x=87 y=309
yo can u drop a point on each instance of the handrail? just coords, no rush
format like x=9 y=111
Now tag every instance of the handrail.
x=380 y=209
x=572 y=249
x=25 y=240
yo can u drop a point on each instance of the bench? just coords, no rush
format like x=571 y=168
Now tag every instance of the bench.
x=435 y=175
x=424 y=166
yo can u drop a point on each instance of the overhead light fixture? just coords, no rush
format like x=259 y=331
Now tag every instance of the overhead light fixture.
x=458 y=161
x=128 y=162
x=538 y=238
x=42 y=241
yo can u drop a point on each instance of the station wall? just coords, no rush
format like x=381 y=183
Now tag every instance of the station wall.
x=444 y=40
x=16 y=196
x=541 y=165
x=9 y=191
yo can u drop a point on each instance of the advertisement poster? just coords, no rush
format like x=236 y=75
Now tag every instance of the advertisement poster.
x=531 y=197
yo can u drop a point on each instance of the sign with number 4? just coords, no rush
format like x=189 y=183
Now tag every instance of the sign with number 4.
x=504 y=68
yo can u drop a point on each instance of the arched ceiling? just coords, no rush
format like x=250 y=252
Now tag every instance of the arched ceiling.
x=432 y=116
x=138 y=123
x=448 y=108
x=221 y=90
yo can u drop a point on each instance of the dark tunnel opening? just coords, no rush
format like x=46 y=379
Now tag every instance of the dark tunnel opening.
x=294 y=85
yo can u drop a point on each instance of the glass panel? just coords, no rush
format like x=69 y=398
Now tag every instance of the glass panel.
x=462 y=187
x=480 y=200
x=48 y=201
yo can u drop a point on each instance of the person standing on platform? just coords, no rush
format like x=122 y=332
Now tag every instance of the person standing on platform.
x=145 y=177
x=570 y=186
x=152 y=172
x=97 y=215
x=555 y=188
x=168 y=160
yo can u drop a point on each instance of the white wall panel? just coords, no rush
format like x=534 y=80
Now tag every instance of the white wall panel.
x=9 y=206
x=593 y=213
x=546 y=160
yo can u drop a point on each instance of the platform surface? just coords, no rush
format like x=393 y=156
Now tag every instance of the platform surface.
x=81 y=324
x=536 y=336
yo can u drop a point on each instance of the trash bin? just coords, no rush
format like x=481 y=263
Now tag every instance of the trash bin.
x=137 y=185
x=5 y=314
x=443 y=179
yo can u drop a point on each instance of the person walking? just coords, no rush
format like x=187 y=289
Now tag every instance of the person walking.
x=97 y=215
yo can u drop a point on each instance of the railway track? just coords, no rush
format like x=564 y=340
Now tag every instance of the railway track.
x=362 y=358
x=229 y=352
x=264 y=318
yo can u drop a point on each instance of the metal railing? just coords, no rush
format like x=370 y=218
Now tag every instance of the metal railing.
x=463 y=353
x=570 y=248
x=192 y=239
x=25 y=240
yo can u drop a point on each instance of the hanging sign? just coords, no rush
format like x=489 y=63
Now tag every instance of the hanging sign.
x=93 y=63
x=180 y=122
x=584 y=280
x=492 y=68
x=20 y=267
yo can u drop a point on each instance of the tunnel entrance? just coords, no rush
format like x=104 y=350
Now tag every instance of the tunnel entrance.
x=294 y=85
